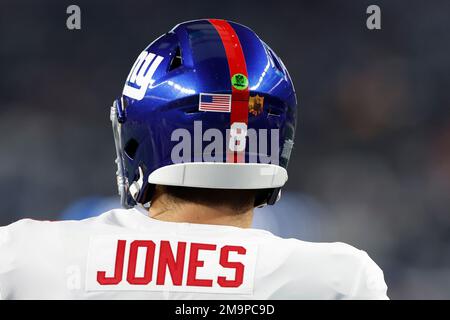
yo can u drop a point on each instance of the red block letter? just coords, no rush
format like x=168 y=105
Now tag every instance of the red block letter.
x=194 y=263
x=166 y=258
x=101 y=275
x=149 y=258
x=239 y=276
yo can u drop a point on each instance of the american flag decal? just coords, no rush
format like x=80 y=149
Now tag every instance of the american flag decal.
x=215 y=102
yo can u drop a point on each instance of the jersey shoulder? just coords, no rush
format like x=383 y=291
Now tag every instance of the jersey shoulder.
x=31 y=226
x=329 y=271
x=29 y=232
x=324 y=270
x=31 y=246
x=27 y=235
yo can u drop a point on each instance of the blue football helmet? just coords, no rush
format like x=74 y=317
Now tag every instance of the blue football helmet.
x=203 y=85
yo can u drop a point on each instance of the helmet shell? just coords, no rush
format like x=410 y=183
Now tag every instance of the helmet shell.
x=162 y=94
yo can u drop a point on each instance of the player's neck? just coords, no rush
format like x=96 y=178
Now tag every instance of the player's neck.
x=164 y=210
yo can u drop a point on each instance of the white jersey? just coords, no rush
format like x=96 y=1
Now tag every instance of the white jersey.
x=124 y=254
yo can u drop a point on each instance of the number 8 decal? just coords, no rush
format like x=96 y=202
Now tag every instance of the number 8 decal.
x=238 y=132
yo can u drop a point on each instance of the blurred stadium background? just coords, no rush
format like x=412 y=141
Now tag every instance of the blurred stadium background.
x=371 y=165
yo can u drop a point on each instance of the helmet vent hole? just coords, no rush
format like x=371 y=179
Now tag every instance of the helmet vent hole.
x=176 y=60
x=131 y=148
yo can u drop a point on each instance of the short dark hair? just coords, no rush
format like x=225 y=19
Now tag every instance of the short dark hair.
x=238 y=200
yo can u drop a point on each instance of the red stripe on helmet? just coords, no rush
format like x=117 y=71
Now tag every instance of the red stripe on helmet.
x=236 y=64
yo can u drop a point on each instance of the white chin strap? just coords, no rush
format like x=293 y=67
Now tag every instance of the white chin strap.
x=136 y=186
x=218 y=175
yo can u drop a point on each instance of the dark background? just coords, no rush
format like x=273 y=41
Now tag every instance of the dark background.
x=371 y=165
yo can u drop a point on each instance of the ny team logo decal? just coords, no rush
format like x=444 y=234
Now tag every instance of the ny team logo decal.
x=140 y=76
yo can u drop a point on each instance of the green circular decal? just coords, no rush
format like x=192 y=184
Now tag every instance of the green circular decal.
x=239 y=81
